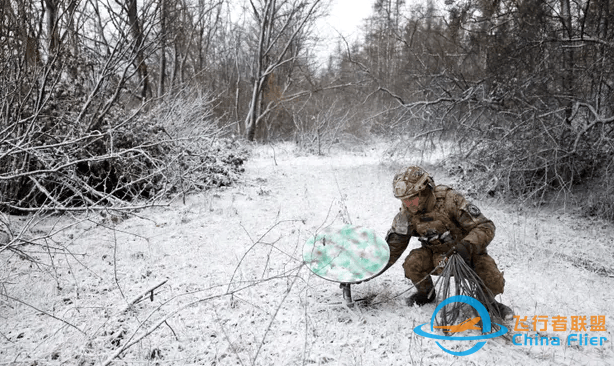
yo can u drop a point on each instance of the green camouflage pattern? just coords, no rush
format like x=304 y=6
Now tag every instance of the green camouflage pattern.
x=347 y=254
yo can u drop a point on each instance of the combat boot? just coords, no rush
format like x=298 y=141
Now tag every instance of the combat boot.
x=420 y=298
x=505 y=311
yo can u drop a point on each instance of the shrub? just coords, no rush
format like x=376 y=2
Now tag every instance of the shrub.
x=50 y=162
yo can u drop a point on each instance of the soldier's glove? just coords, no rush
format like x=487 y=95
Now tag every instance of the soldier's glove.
x=446 y=238
x=430 y=236
x=464 y=250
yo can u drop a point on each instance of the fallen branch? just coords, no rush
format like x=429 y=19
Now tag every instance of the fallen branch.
x=170 y=315
x=138 y=298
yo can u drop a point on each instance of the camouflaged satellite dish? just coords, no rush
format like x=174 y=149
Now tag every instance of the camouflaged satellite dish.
x=348 y=254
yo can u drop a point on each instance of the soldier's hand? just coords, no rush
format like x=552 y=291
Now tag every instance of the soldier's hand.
x=428 y=238
x=464 y=250
x=446 y=238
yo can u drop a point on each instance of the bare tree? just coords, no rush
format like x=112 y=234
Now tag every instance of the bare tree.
x=130 y=7
x=568 y=62
x=280 y=25
x=52 y=9
x=163 y=30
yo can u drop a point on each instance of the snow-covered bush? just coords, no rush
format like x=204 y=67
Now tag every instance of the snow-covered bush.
x=50 y=161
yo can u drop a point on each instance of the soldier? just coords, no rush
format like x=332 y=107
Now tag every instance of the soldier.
x=443 y=220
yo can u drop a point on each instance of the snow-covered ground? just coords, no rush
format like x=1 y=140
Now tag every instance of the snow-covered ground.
x=238 y=294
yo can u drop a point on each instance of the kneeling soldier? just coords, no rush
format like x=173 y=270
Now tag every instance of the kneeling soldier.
x=443 y=220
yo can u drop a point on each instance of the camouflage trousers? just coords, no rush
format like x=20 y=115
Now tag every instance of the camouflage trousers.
x=420 y=262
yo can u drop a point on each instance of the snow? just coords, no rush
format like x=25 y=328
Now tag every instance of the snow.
x=238 y=294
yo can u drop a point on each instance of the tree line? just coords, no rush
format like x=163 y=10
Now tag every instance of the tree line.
x=524 y=87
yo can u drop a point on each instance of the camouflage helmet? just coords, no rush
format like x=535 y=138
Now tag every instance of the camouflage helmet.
x=410 y=182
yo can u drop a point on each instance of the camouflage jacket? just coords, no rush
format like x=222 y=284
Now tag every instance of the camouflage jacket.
x=450 y=212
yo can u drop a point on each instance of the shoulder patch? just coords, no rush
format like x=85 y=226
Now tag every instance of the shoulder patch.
x=400 y=224
x=473 y=210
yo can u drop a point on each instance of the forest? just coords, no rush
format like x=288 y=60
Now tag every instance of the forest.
x=163 y=163
x=124 y=103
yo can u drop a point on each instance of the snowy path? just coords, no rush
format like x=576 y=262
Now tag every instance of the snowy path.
x=232 y=258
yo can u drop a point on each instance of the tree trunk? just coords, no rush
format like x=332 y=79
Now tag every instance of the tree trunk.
x=567 y=77
x=252 y=116
x=52 y=25
x=162 y=48
x=604 y=14
x=137 y=34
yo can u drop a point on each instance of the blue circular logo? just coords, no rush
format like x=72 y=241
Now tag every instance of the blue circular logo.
x=483 y=315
